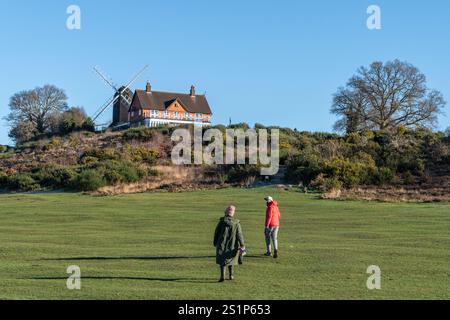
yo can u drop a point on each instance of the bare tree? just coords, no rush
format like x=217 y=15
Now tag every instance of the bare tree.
x=385 y=96
x=349 y=104
x=34 y=110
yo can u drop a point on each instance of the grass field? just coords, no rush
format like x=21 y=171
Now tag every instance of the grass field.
x=159 y=246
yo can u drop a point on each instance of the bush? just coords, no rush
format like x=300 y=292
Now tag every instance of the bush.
x=74 y=119
x=243 y=174
x=22 y=182
x=140 y=133
x=381 y=176
x=121 y=173
x=350 y=173
x=88 y=160
x=139 y=154
x=54 y=177
x=331 y=184
x=326 y=184
x=115 y=172
x=408 y=177
x=88 y=180
x=241 y=125
x=303 y=168
x=100 y=154
x=3 y=179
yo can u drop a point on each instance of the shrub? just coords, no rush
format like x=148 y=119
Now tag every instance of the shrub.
x=101 y=154
x=332 y=184
x=54 y=177
x=326 y=184
x=139 y=153
x=381 y=176
x=119 y=173
x=304 y=167
x=88 y=180
x=88 y=160
x=115 y=172
x=408 y=177
x=241 y=125
x=22 y=182
x=54 y=143
x=74 y=119
x=3 y=179
x=140 y=133
x=220 y=127
x=243 y=174
x=222 y=178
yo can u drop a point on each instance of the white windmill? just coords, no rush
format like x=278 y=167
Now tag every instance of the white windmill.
x=121 y=100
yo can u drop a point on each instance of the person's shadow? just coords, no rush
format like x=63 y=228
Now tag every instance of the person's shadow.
x=248 y=256
x=130 y=258
x=187 y=280
x=100 y=258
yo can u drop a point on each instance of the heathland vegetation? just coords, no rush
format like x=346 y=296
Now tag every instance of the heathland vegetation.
x=87 y=161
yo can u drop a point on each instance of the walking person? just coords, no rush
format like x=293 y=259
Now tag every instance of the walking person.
x=229 y=243
x=272 y=226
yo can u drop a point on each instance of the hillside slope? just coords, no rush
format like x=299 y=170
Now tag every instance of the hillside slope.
x=404 y=166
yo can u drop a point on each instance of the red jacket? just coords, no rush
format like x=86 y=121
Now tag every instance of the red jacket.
x=273 y=215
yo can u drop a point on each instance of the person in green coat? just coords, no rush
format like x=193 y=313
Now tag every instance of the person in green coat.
x=229 y=242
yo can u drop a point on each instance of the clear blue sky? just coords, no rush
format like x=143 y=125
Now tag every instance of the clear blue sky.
x=273 y=62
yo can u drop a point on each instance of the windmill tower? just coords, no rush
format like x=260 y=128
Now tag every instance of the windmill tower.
x=121 y=100
x=121 y=106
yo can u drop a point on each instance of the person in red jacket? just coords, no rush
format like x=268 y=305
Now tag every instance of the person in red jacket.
x=272 y=226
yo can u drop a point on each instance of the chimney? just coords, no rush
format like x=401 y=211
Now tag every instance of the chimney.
x=148 y=88
x=192 y=91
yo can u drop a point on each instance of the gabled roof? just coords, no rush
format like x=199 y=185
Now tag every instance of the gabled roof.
x=167 y=104
x=157 y=100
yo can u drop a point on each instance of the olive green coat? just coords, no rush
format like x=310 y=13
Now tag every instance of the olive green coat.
x=228 y=238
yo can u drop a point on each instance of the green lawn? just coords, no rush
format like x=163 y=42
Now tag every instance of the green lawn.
x=159 y=246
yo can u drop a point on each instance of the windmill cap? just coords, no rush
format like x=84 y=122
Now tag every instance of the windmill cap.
x=268 y=199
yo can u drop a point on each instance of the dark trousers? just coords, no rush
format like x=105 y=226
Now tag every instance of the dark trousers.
x=222 y=271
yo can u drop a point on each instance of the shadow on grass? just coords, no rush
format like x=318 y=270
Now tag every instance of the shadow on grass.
x=188 y=280
x=133 y=258
x=248 y=256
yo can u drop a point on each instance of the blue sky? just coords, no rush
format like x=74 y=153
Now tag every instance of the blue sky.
x=272 y=62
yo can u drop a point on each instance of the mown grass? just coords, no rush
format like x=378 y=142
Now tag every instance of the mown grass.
x=159 y=246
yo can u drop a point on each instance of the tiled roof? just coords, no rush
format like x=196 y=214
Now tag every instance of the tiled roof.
x=157 y=100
